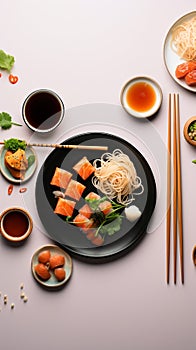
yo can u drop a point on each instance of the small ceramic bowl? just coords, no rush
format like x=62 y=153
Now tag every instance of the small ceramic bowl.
x=16 y=224
x=141 y=97
x=43 y=110
x=187 y=132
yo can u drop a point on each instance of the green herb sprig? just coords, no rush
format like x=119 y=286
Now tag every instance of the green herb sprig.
x=6 y=121
x=14 y=144
x=6 y=61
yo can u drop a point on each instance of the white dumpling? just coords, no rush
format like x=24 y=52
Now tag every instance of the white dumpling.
x=132 y=213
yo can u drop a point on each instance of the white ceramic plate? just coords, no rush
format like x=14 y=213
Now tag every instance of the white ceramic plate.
x=30 y=171
x=52 y=282
x=171 y=59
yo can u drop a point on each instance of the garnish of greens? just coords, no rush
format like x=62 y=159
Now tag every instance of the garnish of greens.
x=6 y=61
x=14 y=144
x=106 y=224
x=6 y=121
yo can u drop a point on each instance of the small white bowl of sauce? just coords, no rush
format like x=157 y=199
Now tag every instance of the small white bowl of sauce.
x=16 y=224
x=141 y=97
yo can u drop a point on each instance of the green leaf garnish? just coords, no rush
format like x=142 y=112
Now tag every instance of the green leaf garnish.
x=6 y=61
x=14 y=144
x=31 y=160
x=194 y=161
x=6 y=121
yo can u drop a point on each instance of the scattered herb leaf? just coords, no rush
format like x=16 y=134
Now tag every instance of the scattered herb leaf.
x=31 y=160
x=6 y=61
x=6 y=121
x=14 y=144
x=194 y=161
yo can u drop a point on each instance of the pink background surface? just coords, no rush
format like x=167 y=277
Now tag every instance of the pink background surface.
x=86 y=51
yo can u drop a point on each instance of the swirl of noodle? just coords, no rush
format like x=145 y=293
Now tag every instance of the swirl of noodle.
x=116 y=177
x=183 y=40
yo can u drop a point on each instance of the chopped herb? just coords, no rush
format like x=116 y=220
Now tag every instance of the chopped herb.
x=6 y=61
x=194 y=161
x=14 y=144
x=6 y=121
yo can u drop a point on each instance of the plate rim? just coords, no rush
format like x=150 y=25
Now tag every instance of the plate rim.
x=166 y=41
x=79 y=252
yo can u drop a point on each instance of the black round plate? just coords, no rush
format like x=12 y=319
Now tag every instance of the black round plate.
x=69 y=236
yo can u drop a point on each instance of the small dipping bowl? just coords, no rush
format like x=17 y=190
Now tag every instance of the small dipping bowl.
x=187 y=131
x=141 y=97
x=43 y=110
x=16 y=224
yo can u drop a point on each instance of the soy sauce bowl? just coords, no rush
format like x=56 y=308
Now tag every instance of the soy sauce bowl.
x=16 y=225
x=141 y=97
x=43 y=111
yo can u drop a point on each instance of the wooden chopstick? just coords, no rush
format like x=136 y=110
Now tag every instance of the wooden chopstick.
x=173 y=112
x=54 y=145
x=174 y=187
x=179 y=187
x=168 y=217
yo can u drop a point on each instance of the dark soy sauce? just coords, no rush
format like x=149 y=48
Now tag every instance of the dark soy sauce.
x=43 y=110
x=15 y=223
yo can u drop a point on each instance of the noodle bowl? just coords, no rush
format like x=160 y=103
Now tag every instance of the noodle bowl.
x=116 y=177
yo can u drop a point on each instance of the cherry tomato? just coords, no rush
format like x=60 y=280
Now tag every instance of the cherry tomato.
x=23 y=189
x=13 y=79
x=10 y=189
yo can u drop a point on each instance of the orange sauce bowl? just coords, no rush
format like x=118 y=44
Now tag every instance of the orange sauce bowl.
x=141 y=97
x=16 y=224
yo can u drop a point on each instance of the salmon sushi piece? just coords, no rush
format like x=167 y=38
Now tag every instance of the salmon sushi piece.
x=65 y=207
x=92 y=195
x=105 y=207
x=97 y=240
x=74 y=189
x=190 y=78
x=84 y=168
x=83 y=222
x=86 y=211
x=61 y=178
x=184 y=68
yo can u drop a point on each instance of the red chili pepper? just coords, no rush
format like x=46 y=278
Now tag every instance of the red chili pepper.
x=13 y=79
x=10 y=189
x=0 y=75
x=23 y=189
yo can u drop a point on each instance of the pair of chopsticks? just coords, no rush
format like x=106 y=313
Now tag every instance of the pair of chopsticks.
x=55 y=145
x=173 y=113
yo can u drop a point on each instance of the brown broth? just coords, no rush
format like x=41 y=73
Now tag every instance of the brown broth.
x=141 y=97
x=15 y=224
x=43 y=110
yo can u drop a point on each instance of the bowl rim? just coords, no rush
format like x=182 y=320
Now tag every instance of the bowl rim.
x=185 y=130
x=27 y=233
x=152 y=82
x=43 y=131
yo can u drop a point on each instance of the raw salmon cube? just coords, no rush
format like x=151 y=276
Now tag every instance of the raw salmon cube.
x=105 y=207
x=92 y=195
x=83 y=222
x=84 y=168
x=74 y=189
x=65 y=207
x=61 y=178
x=86 y=211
